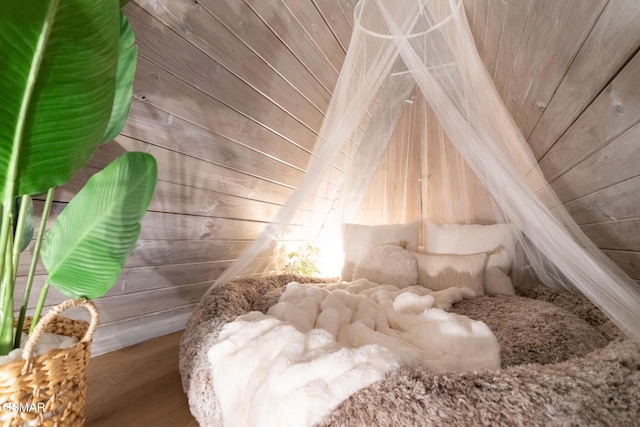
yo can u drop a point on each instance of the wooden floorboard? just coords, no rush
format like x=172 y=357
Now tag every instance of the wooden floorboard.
x=138 y=386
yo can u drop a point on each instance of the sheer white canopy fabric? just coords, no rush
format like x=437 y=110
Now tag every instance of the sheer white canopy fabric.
x=420 y=55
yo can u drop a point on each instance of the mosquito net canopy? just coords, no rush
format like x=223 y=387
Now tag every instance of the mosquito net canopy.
x=413 y=84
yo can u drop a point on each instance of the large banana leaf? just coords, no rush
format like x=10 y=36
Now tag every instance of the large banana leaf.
x=85 y=249
x=57 y=82
x=124 y=80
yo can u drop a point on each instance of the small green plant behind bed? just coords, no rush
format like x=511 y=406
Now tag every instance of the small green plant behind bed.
x=66 y=79
x=303 y=261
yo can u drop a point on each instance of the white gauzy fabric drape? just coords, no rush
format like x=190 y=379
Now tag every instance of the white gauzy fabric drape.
x=425 y=47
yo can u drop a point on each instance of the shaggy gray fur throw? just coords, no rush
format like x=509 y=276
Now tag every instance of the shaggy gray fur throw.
x=563 y=364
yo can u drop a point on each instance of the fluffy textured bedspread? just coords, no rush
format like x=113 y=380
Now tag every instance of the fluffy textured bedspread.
x=563 y=364
x=316 y=347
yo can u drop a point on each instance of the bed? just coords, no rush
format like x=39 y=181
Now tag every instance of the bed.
x=538 y=356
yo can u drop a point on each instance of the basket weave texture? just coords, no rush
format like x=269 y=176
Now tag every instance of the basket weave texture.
x=50 y=389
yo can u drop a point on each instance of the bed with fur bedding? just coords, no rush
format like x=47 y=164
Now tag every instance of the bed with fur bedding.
x=561 y=362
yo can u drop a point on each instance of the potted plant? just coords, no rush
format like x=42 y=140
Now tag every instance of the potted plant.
x=66 y=73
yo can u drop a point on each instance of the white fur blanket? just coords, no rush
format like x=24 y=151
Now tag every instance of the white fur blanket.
x=317 y=346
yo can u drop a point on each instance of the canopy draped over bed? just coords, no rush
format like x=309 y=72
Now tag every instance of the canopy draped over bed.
x=489 y=232
x=412 y=73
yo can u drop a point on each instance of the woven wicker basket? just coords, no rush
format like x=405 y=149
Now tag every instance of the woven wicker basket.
x=50 y=389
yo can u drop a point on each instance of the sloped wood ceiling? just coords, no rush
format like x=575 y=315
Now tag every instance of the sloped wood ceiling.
x=229 y=95
x=569 y=72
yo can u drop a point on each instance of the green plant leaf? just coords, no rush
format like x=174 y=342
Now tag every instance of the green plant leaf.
x=124 y=80
x=58 y=68
x=85 y=249
x=27 y=232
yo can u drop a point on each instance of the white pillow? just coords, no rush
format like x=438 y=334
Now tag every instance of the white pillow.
x=440 y=271
x=358 y=240
x=388 y=265
x=497 y=282
x=471 y=239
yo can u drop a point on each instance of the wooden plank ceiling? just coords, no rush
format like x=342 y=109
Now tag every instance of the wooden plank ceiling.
x=569 y=72
x=229 y=96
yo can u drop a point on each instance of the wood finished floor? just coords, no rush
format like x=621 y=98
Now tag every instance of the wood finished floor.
x=138 y=386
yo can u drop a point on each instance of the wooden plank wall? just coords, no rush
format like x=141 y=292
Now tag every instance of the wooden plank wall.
x=229 y=96
x=393 y=197
x=569 y=71
x=453 y=192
